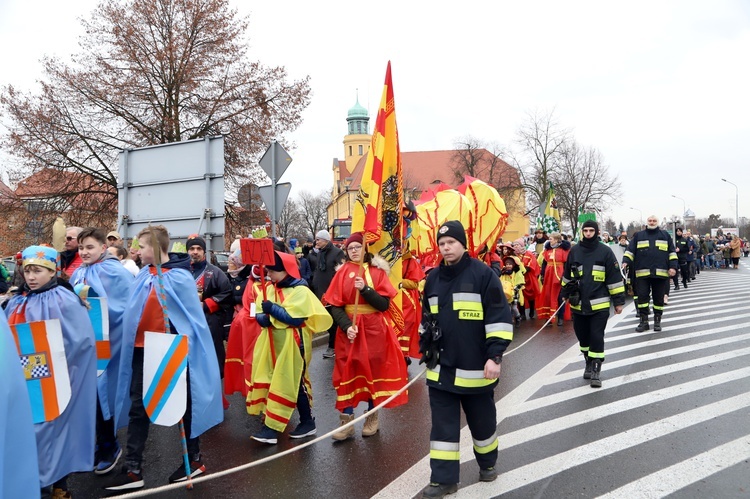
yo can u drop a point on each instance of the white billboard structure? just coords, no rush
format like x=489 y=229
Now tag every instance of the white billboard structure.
x=179 y=185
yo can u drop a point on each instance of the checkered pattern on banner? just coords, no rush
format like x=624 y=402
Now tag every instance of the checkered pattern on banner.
x=548 y=224
x=35 y=366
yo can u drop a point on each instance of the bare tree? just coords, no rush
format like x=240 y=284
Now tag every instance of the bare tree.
x=539 y=139
x=313 y=208
x=151 y=72
x=290 y=223
x=482 y=160
x=582 y=181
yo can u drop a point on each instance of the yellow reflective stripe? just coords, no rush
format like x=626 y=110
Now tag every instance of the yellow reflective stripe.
x=662 y=272
x=575 y=307
x=599 y=268
x=642 y=244
x=445 y=455
x=616 y=289
x=673 y=256
x=596 y=355
x=598 y=275
x=658 y=307
x=467 y=301
x=584 y=349
x=433 y=302
x=467 y=305
x=564 y=281
x=503 y=335
x=642 y=272
x=629 y=255
x=600 y=306
x=433 y=374
x=472 y=383
x=486 y=446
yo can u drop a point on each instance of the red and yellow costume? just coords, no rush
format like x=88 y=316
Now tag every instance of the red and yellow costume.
x=278 y=364
x=243 y=333
x=555 y=259
x=413 y=279
x=372 y=366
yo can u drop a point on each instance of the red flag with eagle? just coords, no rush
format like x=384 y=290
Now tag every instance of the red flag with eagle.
x=377 y=212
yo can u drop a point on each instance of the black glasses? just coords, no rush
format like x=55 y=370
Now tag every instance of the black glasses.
x=68 y=238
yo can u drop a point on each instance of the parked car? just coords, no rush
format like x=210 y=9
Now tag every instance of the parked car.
x=220 y=259
x=10 y=263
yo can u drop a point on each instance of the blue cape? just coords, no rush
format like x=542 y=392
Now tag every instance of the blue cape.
x=66 y=444
x=186 y=315
x=18 y=459
x=110 y=279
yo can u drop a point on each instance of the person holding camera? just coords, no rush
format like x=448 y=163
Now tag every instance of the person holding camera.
x=467 y=327
x=591 y=283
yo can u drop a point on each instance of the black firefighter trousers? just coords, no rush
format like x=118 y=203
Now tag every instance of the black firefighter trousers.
x=481 y=417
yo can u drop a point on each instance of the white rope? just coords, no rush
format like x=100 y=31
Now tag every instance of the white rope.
x=252 y=464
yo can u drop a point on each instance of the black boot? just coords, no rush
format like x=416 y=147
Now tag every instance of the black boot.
x=559 y=320
x=587 y=369
x=531 y=309
x=596 y=368
x=643 y=325
x=657 y=322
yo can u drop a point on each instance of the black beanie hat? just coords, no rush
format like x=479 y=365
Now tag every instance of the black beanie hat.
x=592 y=224
x=454 y=229
x=196 y=240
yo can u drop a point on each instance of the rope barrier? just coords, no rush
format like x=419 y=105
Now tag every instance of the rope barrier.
x=252 y=464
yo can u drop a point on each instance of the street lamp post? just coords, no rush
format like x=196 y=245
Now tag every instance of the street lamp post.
x=736 y=205
x=640 y=216
x=683 y=207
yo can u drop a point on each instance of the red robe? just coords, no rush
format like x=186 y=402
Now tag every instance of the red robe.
x=411 y=304
x=531 y=277
x=372 y=366
x=547 y=302
x=243 y=333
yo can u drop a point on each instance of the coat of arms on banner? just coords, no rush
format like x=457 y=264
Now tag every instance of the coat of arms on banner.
x=165 y=359
x=42 y=355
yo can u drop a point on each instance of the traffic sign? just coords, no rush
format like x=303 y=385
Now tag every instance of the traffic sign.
x=267 y=194
x=275 y=161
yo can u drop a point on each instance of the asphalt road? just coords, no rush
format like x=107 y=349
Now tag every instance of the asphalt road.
x=670 y=420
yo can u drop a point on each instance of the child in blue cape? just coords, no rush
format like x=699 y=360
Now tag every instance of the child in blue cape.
x=65 y=444
x=104 y=273
x=144 y=313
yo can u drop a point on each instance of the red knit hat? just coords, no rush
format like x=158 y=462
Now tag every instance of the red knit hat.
x=354 y=238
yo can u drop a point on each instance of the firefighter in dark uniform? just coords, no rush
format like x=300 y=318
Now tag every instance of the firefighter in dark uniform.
x=652 y=255
x=466 y=328
x=591 y=283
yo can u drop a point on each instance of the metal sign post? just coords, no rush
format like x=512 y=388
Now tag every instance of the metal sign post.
x=274 y=162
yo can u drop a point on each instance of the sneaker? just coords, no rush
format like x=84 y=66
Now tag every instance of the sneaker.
x=267 y=436
x=126 y=480
x=304 y=429
x=437 y=490
x=487 y=474
x=106 y=459
x=196 y=468
x=329 y=353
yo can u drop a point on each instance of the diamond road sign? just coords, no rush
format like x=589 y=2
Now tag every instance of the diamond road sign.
x=275 y=160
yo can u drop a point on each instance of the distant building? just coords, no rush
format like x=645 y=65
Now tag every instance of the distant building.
x=422 y=170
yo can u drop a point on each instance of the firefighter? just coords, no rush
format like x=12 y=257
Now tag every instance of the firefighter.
x=652 y=255
x=591 y=283
x=467 y=327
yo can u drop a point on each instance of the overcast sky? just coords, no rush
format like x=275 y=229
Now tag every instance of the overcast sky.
x=659 y=88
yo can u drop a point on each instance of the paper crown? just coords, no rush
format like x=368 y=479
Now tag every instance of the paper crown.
x=41 y=256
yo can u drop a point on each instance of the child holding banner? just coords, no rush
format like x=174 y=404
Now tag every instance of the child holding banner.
x=159 y=292
x=106 y=276
x=282 y=354
x=63 y=394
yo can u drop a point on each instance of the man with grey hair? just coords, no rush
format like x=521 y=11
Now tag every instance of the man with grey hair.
x=324 y=259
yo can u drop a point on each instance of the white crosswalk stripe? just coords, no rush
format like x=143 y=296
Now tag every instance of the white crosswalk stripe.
x=649 y=381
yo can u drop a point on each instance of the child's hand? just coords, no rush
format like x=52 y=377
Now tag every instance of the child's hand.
x=266 y=305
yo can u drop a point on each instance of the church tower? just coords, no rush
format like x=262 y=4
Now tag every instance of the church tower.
x=357 y=140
